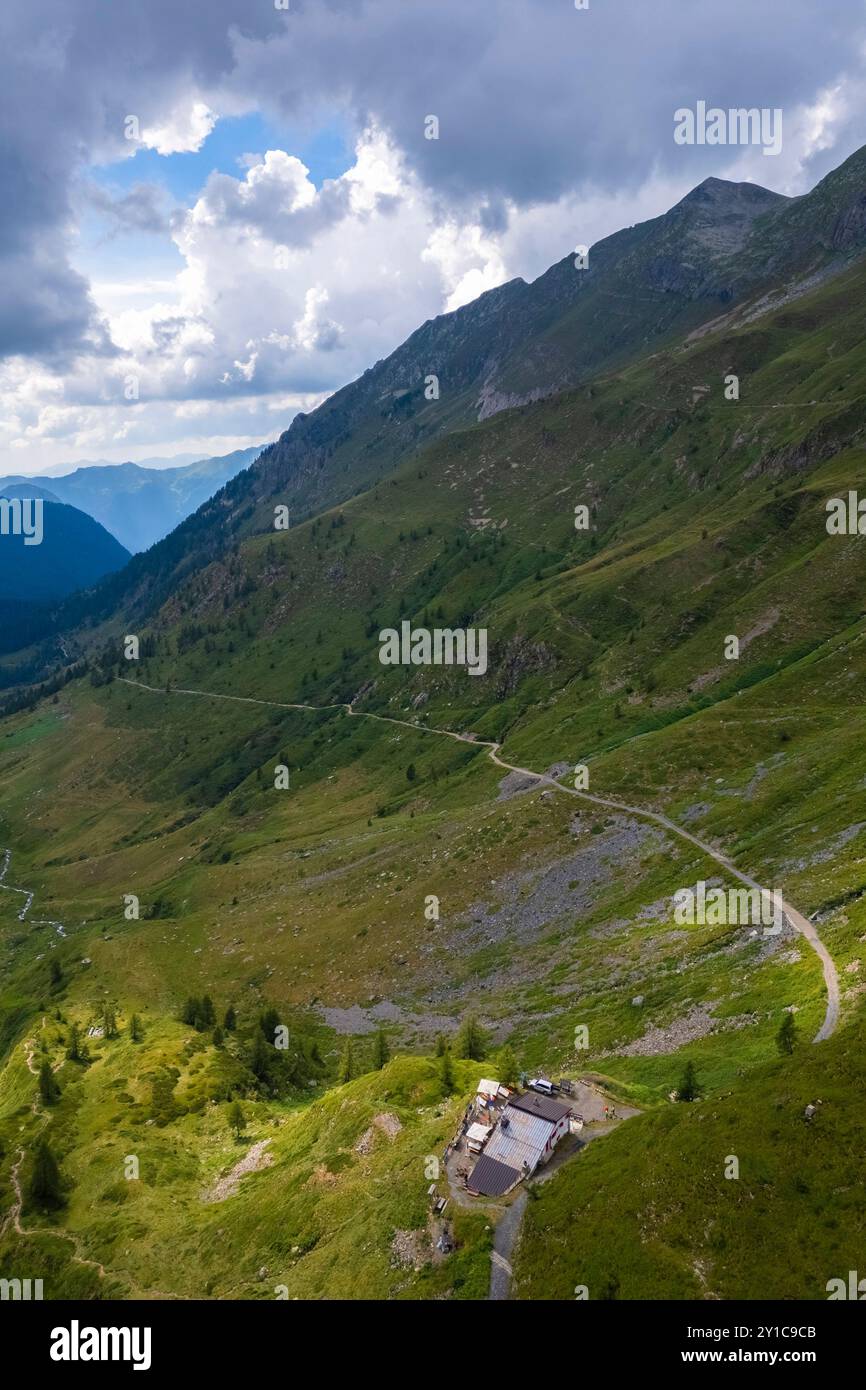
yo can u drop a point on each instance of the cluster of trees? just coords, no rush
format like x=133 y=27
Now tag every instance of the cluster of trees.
x=350 y=1065
x=282 y=1059
x=200 y=1014
x=471 y=1044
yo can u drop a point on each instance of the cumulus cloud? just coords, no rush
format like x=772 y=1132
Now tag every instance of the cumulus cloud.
x=555 y=127
x=185 y=129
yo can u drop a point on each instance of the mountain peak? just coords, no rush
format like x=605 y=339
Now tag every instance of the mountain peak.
x=722 y=194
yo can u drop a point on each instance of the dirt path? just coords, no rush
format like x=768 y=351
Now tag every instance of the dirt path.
x=504 y=1242
x=13 y=1216
x=799 y=922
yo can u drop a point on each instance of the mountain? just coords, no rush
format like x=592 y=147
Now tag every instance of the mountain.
x=139 y=504
x=259 y=813
x=74 y=552
x=725 y=251
x=156 y=461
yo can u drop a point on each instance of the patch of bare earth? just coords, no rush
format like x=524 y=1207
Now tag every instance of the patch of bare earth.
x=411 y=1249
x=253 y=1161
x=385 y=1124
x=762 y=626
x=697 y=1023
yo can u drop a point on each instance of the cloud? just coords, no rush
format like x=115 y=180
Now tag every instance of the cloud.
x=143 y=209
x=555 y=128
x=536 y=99
x=185 y=129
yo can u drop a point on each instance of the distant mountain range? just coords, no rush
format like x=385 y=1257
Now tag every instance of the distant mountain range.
x=136 y=503
x=57 y=470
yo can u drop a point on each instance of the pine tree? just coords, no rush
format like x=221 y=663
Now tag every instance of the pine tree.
x=786 y=1037
x=260 y=1061
x=109 y=1021
x=446 y=1073
x=48 y=1087
x=237 y=1119
x=45 y=1188
x=380 y=1050
x=470 y=1042
x=441 y=1045
x=689 y=1088
x=190 y=1011
x=136 y=1032
x=230 y=1022
x=507 y=1063
x=208 y=1013
x=74 y=1050
x=269 y=1022
x=56 y=973
x=346 y=1064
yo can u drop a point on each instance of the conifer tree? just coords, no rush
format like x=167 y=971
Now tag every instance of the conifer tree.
x=470 y=1042
x=346 y=1064
x=446 y=1073
x=74 y=1051
x=45 y=1188
x=380 y=1050
x=786 y=1037
x=689 y=1088
x=48 y=1087
x=507 y=1063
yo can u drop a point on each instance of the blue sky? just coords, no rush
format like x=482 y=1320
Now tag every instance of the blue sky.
x=326 y=153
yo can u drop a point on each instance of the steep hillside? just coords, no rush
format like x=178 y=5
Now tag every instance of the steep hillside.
x=725 y=245
x=634 y=1197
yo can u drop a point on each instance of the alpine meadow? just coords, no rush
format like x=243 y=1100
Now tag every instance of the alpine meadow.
x=433 y=862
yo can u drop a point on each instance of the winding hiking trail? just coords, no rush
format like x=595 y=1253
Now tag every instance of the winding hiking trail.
x=797 y=920
x=12 y=1218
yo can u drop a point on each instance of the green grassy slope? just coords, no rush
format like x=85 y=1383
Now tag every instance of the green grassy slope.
x=650 y=1213
x=607 y=648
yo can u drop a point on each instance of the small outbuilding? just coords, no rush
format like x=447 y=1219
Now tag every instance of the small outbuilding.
x=477 y=1136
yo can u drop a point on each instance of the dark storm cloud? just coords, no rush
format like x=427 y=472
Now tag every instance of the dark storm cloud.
x=70 y=72
x=533 y=97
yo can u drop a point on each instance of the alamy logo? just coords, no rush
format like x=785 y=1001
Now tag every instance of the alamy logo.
x=854 y=1289
x=441 y=647
x=738 y=126
x=736 y=907
x=16 y=1289
x=76 y=1343
x=22 y=516
x=846 y=517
